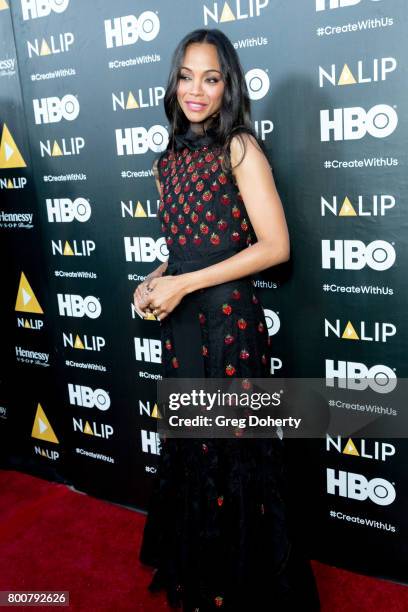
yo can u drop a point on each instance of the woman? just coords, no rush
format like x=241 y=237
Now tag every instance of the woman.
x=217 y=529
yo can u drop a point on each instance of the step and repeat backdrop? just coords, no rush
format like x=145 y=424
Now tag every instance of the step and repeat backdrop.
x=81 y=120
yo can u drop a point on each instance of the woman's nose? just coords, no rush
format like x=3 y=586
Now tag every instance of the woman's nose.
x=196 y=87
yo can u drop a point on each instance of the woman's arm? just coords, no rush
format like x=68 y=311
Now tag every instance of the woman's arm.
x=263 y=204
x=138 y=293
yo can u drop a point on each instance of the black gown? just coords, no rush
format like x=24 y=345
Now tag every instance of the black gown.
x=217 y=530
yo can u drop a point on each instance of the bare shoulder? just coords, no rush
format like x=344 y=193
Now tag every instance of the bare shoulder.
x=244 y=147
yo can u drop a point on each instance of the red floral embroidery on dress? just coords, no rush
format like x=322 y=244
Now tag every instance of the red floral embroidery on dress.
x=236 y=213
x=229 y=339
x=244 y=354
x=174 y=362
x=226 y=309
x=191 y=182
x=242 y=324
x=230 y=370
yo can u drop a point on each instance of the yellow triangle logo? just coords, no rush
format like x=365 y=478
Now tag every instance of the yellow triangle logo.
x=131 y=102
x=227 y=14
x=347 y=209
x=350 y=448
x=78 y=343
x=140 y=211
x=67 y=249
x=156 y=413
x=56 y=151
x=45 y=50
x=3 y=5
x=42 y=428
x=10 y=156
x=10 y=184
x=350 y=333
x=346 y=77
x=87 y=429
x=26 y=300
x=27 y=324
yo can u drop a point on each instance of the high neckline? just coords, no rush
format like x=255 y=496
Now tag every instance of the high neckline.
x=194 y=140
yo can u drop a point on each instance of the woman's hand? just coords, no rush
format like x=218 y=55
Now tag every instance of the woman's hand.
x=139 y=294
x=165 y=294
x=142 y=289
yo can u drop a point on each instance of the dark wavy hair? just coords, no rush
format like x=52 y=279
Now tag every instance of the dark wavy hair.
x=234 y=117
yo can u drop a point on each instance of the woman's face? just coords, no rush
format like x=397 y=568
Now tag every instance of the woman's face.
x=200 y=86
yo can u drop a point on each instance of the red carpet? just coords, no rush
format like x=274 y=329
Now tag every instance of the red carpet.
x=53 y=538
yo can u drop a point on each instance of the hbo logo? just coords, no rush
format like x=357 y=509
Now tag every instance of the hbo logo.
x=356 y=486
x=354 y=123
x=145 y=248
x=354 y=255
x=52 y=110
x=138 y=140
x=64 y=210
x=88 y=398
x=42 y=8
x=78 y=306
x=127 y=30
x=354 y=375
